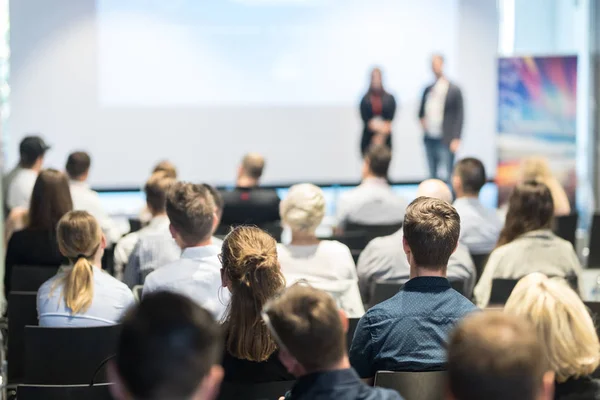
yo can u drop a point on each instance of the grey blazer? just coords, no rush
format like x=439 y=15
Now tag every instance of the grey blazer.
x=453 y=112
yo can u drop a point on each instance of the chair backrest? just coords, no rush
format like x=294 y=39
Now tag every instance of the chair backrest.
x=479 y=260
x=26 y=278
x=356 y=241
x=67 y=356
x=428 y=385
x=594 y=309
x=257 y=391
x=384 y=290
x=352 y=324
x=373 y=231
x=74 y=392
x=565 y=226
x=135 y=224
x=593 y=260
x=501 y=290
x=108 y=260
x=458 y=285
x=22 y=311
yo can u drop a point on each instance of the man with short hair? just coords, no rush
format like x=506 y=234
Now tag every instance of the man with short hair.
x=248 y=203
x=18 y=184
x=373 y=202
x=494 y=356
x=384 y=259
x=480 y=226
x=169 y=348
x=311 y=334
x=192 y=214
x=409 y=332
x=84 y=198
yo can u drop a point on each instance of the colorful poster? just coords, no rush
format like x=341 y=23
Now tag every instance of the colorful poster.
x=537 y=107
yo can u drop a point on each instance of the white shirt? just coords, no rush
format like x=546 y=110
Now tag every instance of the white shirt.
x=479 y=226
x=328 y=266
x=20 y=187
x=434 y=107
x=373 y=202
x=197 y=274
x=86 y=199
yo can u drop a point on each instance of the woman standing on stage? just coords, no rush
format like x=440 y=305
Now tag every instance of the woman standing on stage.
x=377 y=109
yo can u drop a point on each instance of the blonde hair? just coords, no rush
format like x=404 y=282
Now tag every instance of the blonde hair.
x=537 y=169
x=564 y=325
x=303 y=208
x=79 y=238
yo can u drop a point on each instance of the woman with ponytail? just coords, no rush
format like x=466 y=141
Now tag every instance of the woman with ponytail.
x=252 y=274
x=83 y=295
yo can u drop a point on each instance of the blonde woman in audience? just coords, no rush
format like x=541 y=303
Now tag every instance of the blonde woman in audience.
x=325 y=264
x=83 y=295
x=252 y=274
x=537 y=169
x=167 y=169
x=527 y=243
x=565 y=330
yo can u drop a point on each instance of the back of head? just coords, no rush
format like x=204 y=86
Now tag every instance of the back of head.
x=31 y=149
x=217 y=197
x=308 y=324
x=564 y=326
x=253 y=275
x=431 y=230
x=191 y=211
x=79 y=239
x=167 y=346
x=530 y=208
x=78 y=164
x=303 y=208
x=50 y=200
x=494 y=356
x=378 y=159
x=535 y=169
x=253 y=165
x=167 y=167
x=156 y=189
x=436 y=189
x=469 y=176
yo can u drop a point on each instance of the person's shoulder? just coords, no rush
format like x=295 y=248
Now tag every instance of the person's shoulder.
x=333 y=247
x=378 y=393
x=51 y=284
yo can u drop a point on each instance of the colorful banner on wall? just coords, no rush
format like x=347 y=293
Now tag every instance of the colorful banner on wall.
x=537 y=107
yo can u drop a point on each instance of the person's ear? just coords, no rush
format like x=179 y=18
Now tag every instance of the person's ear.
x=344 y=319
x=547 y=390
x=211 y=384
x=215 y=222
x=173 y=231
x=117 y=389
x=405 y=246
x=456 y=183
x=103 y=242
x=291 y=364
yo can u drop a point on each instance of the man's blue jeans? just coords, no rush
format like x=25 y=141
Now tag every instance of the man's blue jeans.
x=438 y=153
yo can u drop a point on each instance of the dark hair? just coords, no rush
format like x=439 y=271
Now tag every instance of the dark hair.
x=378 y=158
x=191 y=209
x=50 y=200
x=308 y=323
x=253 y=165
x=167 y=167
x=530 y=208
x=219 y=202
x=31 y=149
x=471 y=173
x=249 y=257
x=431 y=229
x=495 y=356
x=78 y=164
x=156 y=190
x=168 y=344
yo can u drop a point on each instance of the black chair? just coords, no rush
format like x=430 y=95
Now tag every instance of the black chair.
x=384 y=290
x=502 y=288
x=458 y=285
x=594 y=309
x=74 y=392
x=26 y=278
x=22 y=311
x=479 y=260
x=352 y=324
x=356 y=241
x=108 y=260
x=373 y=231
x=67 y=356
x=566 y=227
x=593 y=260
x=135 y=224
x=256 y=391
x=355 y=255
x=429 y=385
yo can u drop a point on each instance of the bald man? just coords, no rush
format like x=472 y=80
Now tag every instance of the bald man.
x=384 y=259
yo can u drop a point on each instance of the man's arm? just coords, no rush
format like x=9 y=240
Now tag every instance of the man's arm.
x=361 y=350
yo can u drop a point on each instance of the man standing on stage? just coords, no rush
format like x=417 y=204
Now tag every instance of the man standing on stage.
x=441 y=115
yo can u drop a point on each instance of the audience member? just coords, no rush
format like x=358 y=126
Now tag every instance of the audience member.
x=493 y=356
x=191 y=211
x=248 y=203
x=36 y=244
x=409 y=332
x=480 y=226
x=86 y=199
x=166 y=167
x=83 y=295
x=326 y=264
x=20 y=181
x=373 y=202
x=252 y=274
x=311 y=333
x=537 y=169
x=565 y=330
x=527 y=243
x=156 y=190
x=169 y=348
x=384 y=259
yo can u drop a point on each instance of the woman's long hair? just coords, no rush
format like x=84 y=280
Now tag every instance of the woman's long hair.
x=50 y=200
x=250 y=264
x=530 y=208
x=79 y=238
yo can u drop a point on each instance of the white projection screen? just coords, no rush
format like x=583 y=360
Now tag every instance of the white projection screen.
x=201 y=82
